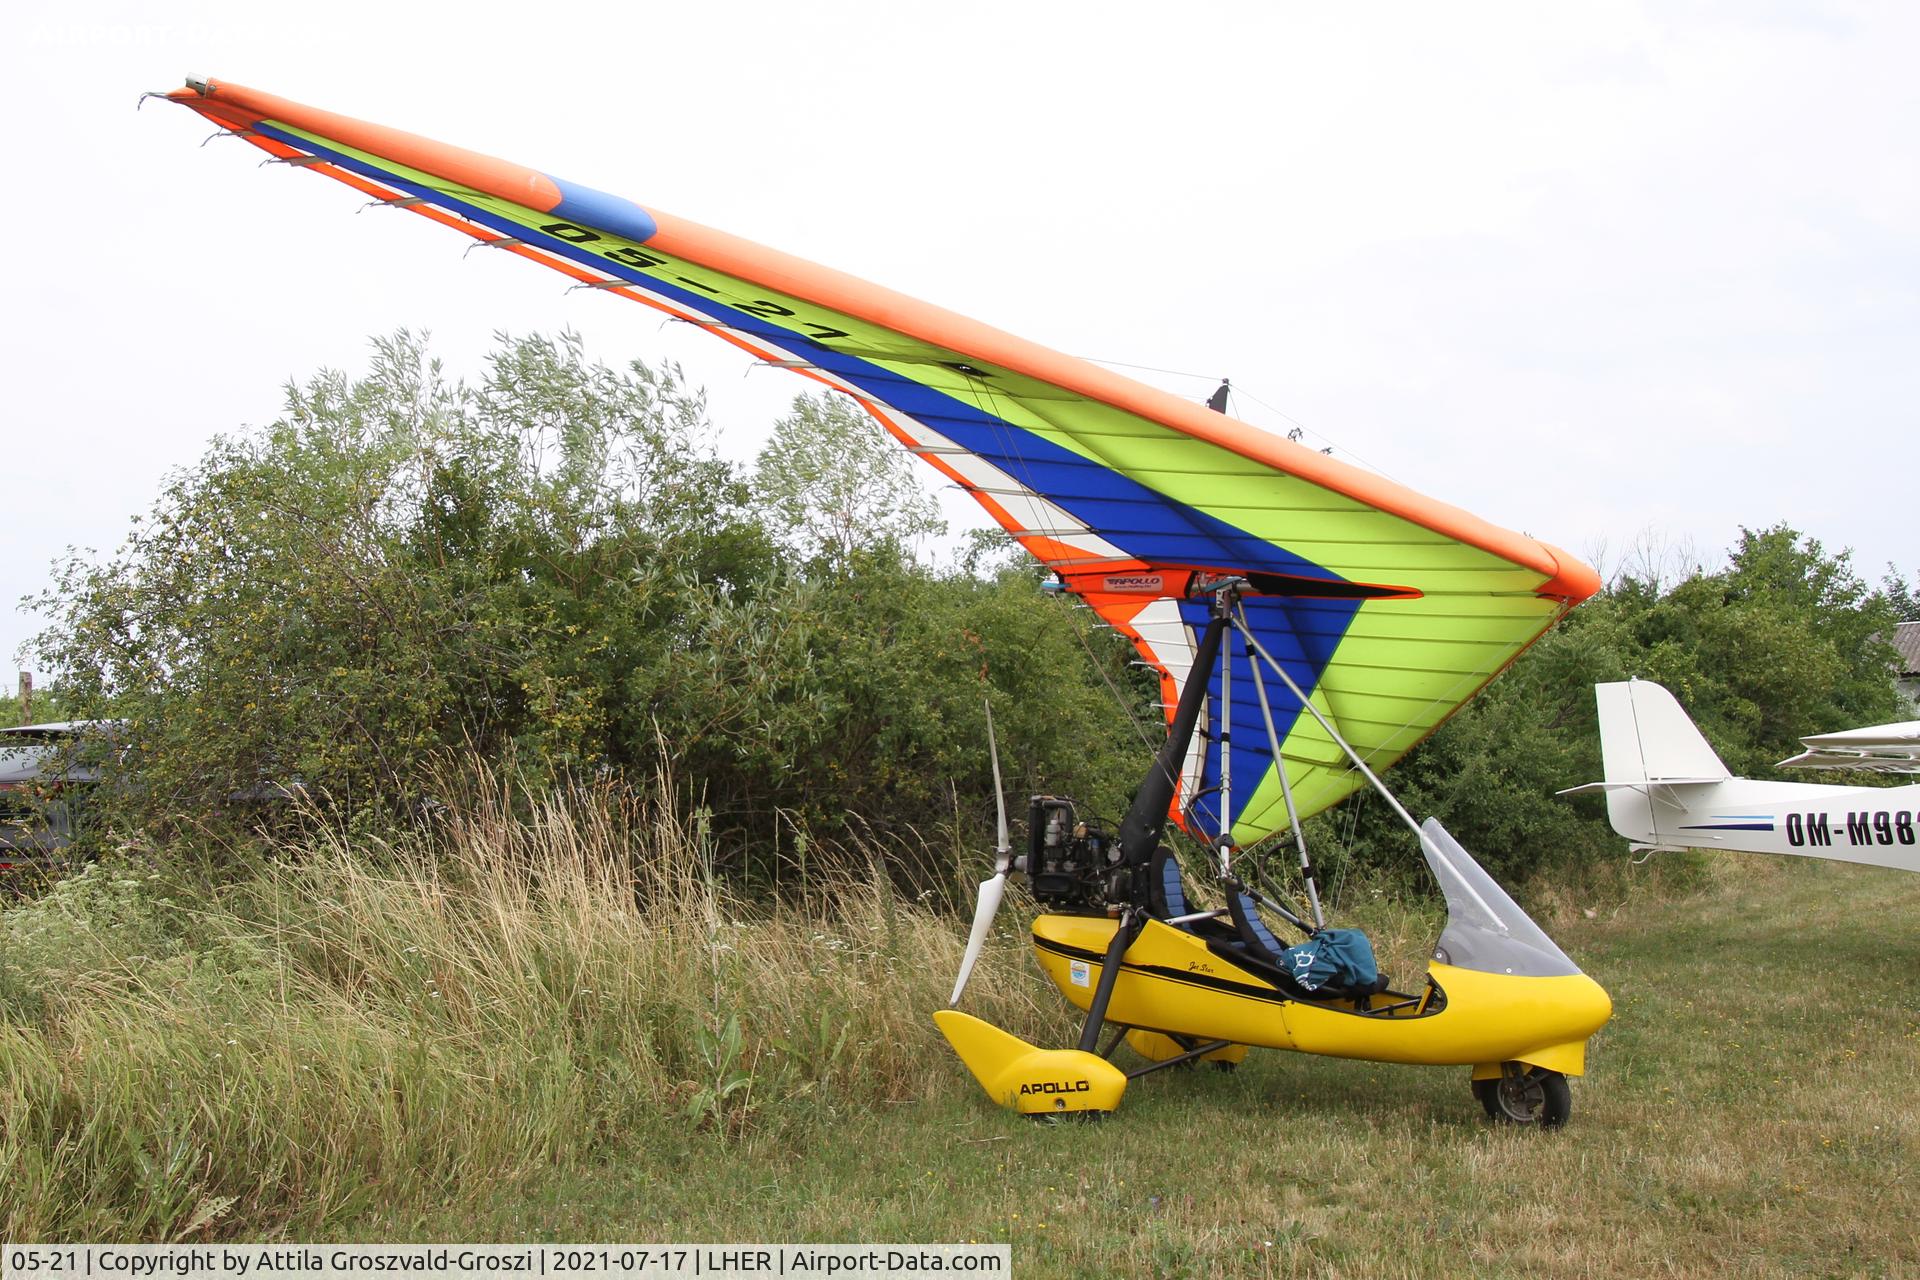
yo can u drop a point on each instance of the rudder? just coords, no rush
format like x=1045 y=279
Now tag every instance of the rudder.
x=1648 y=740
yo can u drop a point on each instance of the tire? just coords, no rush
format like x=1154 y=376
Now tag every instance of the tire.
x=1526 y=1095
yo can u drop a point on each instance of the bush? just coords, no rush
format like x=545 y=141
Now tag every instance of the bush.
x=106 y=926
x=554 y=568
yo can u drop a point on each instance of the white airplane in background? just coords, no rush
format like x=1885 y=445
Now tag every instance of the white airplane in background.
x=1667 y=789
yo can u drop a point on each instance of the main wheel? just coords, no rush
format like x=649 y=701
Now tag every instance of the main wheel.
x=1526 y=1095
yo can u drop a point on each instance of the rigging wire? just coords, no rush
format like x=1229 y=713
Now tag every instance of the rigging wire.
x=1119 y=699
x=1331 y=444
x=1353 y=831
x=1149 y=368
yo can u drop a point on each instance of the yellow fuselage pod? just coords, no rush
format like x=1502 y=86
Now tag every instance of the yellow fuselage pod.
x=1155 y=1047
x=1172 y=981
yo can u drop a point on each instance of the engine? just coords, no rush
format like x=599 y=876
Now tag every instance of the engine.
x=1071 y=865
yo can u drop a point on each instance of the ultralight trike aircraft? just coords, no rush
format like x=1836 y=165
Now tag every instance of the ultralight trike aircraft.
x=1225 y=554
x=1120 y=938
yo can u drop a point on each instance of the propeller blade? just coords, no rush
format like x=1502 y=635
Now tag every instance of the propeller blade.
x=992 y=888
x=1003 y=851
x=983 y=913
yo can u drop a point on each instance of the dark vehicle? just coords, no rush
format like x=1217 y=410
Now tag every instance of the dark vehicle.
x=46 y=771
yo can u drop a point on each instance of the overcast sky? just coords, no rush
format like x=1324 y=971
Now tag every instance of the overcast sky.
x=1606 y=273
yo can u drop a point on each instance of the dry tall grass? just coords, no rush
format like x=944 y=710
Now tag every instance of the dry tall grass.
x=439 y=1011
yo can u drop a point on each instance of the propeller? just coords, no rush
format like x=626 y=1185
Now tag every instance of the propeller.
x=993 y=886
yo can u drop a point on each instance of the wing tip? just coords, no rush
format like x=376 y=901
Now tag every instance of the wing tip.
x=1573 y=579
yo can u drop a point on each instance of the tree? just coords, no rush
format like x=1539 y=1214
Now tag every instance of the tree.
x=1902 y=596
x=402 y=565
x=832 y=481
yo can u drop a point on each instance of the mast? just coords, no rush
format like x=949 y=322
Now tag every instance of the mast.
x=1147 y=817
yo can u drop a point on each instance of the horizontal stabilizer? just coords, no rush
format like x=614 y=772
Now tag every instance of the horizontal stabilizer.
x=1637 y=786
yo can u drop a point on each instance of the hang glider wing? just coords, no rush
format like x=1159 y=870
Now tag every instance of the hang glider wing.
x=1388 y=608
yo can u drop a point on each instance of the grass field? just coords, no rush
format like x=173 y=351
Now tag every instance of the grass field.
x=1751 y=1111
x=398 y=1051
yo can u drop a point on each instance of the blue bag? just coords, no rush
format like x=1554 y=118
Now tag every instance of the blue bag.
x=1332 y=957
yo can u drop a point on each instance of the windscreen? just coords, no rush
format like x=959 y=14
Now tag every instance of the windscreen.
x=1486 y=929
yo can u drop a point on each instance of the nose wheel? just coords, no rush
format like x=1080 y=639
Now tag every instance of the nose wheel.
x=1526 y=1095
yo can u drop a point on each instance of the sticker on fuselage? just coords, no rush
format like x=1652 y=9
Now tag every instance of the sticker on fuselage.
x=1079 y=974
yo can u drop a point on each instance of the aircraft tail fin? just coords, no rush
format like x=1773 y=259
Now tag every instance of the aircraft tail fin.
x=1647 y=742
x=1645 y=736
